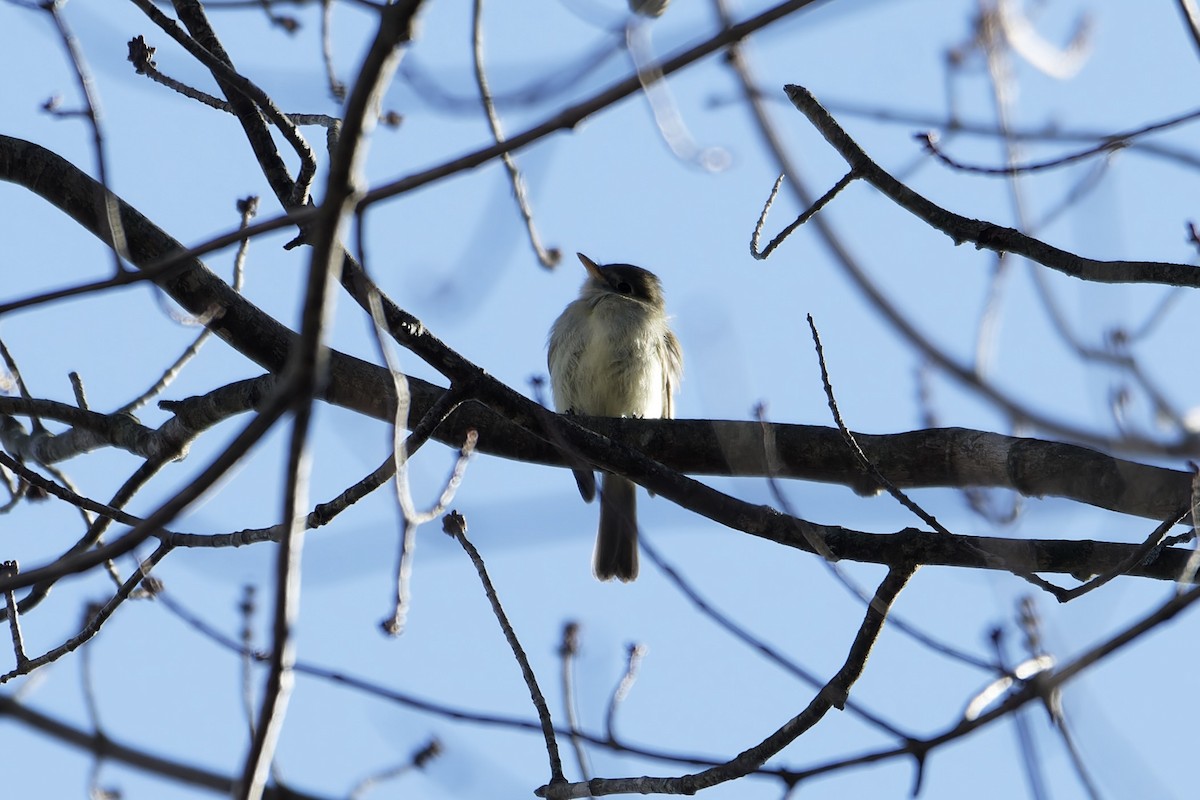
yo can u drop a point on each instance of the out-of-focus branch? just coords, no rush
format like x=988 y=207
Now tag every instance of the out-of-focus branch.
x=547 y=258
x=104 y=746
x=306 y=370
x=1191 y=19
x=1046 y=682
x=571 y=116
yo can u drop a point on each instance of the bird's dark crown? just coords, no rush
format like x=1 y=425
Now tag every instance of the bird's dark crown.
x=635 y=282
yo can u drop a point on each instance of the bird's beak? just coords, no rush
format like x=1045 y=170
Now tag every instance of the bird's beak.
x=591 y=266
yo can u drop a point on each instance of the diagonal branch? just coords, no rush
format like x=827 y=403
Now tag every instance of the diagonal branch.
x=832 y=695
x=106 y=747
x=985 y=235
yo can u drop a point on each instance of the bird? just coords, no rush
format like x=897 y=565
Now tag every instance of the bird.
x=612 y=353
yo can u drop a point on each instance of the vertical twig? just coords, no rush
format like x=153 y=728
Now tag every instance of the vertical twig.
x=8 y=568
x=10 y=363
x=568 y=649
x=246 y=610
x=394 y=624
x=633 y=661
x=336 y=88
x=91 y=110
x=666 y=114
x=78 y=389
x=87 y=679
x=247 y=209
x=306 y=372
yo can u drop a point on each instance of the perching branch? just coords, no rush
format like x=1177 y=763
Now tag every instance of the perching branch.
x=941 y=457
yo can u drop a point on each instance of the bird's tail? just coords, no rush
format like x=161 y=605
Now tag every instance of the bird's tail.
x=616 y=553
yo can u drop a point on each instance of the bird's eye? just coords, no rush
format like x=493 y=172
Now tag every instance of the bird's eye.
x=624 y=288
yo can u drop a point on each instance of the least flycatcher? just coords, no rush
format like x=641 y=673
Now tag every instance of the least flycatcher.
x=612 y=354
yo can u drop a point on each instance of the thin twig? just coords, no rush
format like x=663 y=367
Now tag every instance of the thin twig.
x=883 y=481
x=568 y=650
x=866 y=463
x=1137 y=556
x=306 y=372
x=14 y=623
x=247 y=208
x=413 y=519
x=929 y=141
x=87 y=88
x=832 y=695
x=87 y=679
x=95 y=621
x=337 y=89
x=800 y=220
x=455 y=525
x=141 y=55
x=10 y=363
x=431 y=750
x=547 y=258
x=633 y=662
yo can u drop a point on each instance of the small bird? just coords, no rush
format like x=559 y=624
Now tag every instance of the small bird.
x=612 y=354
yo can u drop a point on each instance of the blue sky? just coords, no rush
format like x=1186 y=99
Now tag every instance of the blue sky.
x=454 y=255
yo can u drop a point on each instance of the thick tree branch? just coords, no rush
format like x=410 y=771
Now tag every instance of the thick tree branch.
x=953 y=457
x=354 y=383
x=90 y=431
x=937 y=457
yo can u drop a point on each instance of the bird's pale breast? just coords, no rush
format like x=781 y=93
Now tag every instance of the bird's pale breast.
x=612 y=364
